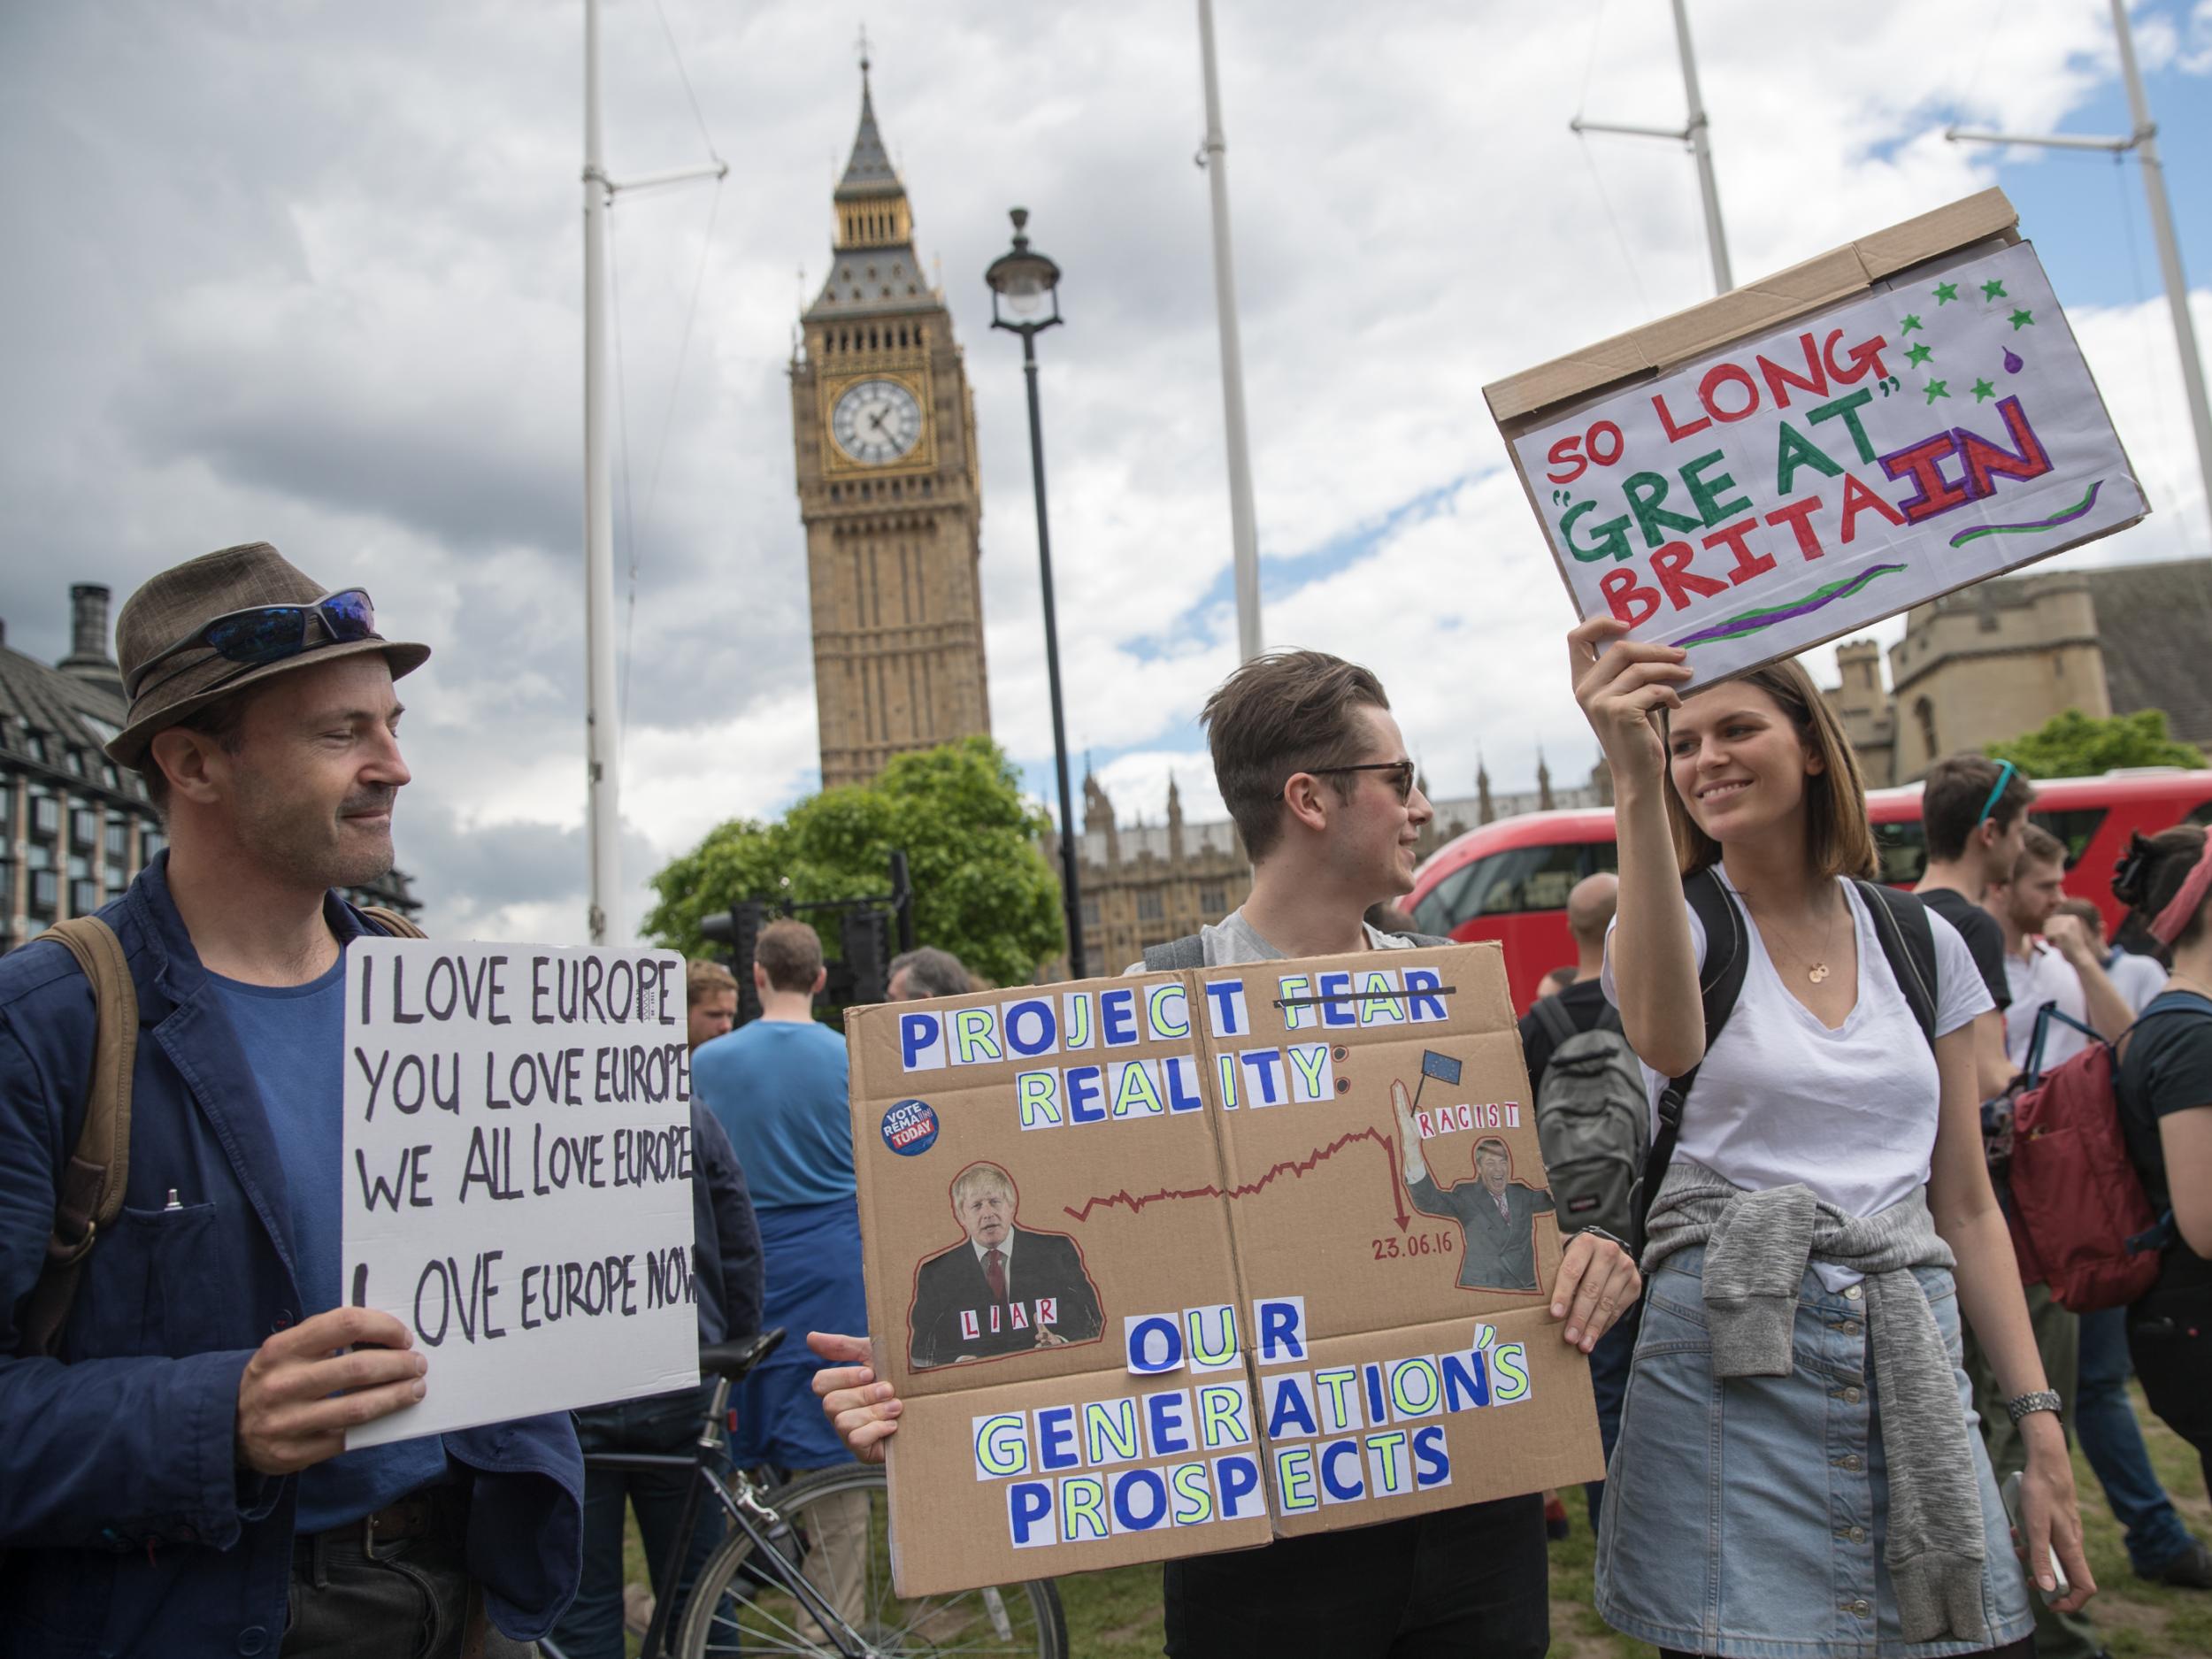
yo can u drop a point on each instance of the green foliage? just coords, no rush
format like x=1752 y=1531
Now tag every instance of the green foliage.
x=2072 y=745
x=982 y=889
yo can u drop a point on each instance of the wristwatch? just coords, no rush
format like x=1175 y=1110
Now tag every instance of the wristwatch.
x=2042 y=1400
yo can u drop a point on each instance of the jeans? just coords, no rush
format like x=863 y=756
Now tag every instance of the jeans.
x=592 y=1627
x=2104 y=1418
x=1608 y=1381
x=1460 y=1583
x=410 y=1601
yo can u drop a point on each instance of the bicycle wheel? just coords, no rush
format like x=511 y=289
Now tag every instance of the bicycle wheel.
x=840 y=1540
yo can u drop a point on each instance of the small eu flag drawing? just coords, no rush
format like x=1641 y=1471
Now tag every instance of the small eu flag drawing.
x=1442 y=1067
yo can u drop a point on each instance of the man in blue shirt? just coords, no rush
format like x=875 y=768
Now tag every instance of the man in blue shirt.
x=778 y=1086
x=173 y=1478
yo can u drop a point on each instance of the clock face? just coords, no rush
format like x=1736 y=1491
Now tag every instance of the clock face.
x=876 y=422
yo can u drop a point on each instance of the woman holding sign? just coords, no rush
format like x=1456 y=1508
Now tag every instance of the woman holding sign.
x=1798 y=1467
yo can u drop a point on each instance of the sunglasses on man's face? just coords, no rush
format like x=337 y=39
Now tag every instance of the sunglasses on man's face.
x=1401 y=773
x=261 y=634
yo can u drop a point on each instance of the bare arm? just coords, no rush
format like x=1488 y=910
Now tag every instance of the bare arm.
x=2108 y=1010
x=1992 y=1070
x=1621 y=685
x=1988 y=1279
x=1416 y=1166
x=2185 y=1137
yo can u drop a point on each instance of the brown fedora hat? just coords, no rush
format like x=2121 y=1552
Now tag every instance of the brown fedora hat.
x=180 y=601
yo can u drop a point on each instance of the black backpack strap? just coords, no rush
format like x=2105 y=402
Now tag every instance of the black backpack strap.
x=1187 y=952
x=1901 y=922
x=1720 y=983
x=1557 y=1022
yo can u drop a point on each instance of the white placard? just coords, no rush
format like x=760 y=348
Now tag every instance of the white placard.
x=1791 y=487
x=517 y=1188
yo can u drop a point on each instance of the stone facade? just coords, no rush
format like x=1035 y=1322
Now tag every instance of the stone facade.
x=2000 y=658
x=74 y=826
x=892 y=512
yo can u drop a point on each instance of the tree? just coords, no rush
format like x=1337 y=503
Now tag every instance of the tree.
x=982 y=889
x=2072 y=745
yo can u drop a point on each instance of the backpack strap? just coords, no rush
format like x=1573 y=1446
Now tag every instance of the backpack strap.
x=1727 y=959
x=1901 y=922
x=1427 y=939
x=395 y=924
x=1557 y=1022
x=89 y=1194
x=1187 y=952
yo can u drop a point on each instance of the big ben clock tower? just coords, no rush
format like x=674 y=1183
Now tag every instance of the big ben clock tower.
x=884 y=429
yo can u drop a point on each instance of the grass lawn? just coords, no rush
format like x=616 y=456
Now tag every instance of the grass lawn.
x=1117 y=1615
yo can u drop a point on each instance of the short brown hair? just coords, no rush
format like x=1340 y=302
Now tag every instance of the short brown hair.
x=221 y=722
x=1278 y=715
x=703 y=979
x=2038 y=846
x=1954 y=794
x=1838 y=839
x=789 y=952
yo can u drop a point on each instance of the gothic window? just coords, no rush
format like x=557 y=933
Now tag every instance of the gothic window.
x=1150 y=907
x=1090 y=913
x=1924 y=712
x=1213 y=898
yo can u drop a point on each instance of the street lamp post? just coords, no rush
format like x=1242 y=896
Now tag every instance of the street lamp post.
x=1023 y=283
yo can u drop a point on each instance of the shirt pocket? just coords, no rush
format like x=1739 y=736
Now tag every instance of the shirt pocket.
x=151 y=1286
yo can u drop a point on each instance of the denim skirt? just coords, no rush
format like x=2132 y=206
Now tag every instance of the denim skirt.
x=1747 y=1518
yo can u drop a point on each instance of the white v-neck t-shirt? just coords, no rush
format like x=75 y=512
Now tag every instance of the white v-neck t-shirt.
x=1851 y=1113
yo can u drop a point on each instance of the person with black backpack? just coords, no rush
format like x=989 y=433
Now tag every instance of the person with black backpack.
x=1796 y=1403
x=2165 y=1096
x=1591 y=1120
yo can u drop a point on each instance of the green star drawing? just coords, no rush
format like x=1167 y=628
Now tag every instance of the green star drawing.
x=1983 y=389
x=1918 y=354
x=1993 y=289
x=1908 y=325
x=1938 y=388
x=2022 y=320
x=1946 y=292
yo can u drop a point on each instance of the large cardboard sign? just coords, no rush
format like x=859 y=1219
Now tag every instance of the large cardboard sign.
x=1178 y=1263
x=517 y=1192
x=1756 y=490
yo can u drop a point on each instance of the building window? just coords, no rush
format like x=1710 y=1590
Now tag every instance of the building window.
x=118 y=836
x=1213 y=898
x=1150 y=906
x=75 y=760
x=149 y=843
x=84 y=828
x=1924 y=712
x=45 y=894
x=84 y=897
x=1090 y=913
x=45 y=816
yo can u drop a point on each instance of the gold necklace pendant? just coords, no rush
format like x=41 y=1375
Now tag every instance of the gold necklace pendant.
x=1817 y=973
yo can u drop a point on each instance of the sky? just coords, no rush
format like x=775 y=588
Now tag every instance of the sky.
x=312 y=273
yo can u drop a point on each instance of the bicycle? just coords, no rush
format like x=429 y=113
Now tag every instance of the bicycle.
x=805 y=1569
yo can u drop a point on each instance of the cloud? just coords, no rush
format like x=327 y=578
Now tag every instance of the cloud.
x=313 y=273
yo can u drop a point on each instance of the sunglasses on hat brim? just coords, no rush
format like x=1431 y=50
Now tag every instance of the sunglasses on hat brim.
x=261 y=634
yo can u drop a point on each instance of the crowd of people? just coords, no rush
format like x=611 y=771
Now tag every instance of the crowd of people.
x=1782 y=1081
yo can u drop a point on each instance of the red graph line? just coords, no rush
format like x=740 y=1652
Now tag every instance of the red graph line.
x=1301 y=1166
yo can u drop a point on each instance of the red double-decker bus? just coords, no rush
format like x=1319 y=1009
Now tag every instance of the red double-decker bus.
x=1509 y=880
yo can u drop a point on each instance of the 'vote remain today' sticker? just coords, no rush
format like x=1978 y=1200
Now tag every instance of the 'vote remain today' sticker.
x=909 y=1128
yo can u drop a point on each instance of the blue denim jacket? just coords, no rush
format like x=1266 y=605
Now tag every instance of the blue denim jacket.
x=126 y=1524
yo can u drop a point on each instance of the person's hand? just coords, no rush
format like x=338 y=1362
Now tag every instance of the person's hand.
x=1597 y=1282
x=2070 y=938
x=1401 y=1104
x=1620 y=683
x=1050 y=1338
x=865 y=1412
x=2049 y=1512
x=299 y=1394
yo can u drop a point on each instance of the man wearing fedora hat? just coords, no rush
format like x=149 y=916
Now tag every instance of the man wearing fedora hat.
x=173 y=1476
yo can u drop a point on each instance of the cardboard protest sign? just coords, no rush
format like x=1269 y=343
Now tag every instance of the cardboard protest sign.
x=1180 y=1263
x=518 y=1191
x=1791 y=462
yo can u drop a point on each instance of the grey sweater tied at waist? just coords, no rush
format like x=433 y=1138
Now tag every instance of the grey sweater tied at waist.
x=1757 y=1247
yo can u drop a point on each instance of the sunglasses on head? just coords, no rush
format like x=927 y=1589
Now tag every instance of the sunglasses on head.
x=2005 y=770
x=260 y=634
x=1401 y=770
